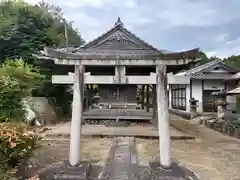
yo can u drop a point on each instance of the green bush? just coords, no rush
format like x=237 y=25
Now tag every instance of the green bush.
x=10 y=100
x=16 y=146
x=17 y=80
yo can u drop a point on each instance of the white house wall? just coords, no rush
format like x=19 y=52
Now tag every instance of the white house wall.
x=197 y=93
x=232 y=103
x=210 y=85
x=208 y=77
x=232 y=100
x=213 y=85
x=170 y=96
x=187 y=98
x=207 y=85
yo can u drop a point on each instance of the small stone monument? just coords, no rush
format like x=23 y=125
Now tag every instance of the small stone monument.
x=221 y=104
x=220 y=112
x=193 y=106
x=95 y=101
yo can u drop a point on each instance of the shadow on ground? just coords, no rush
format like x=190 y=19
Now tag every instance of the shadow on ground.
x=51 y=172
x=94 y=173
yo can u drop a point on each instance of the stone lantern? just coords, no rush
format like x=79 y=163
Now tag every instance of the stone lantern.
x=193 y=107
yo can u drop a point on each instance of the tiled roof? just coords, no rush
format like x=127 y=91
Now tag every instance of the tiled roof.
x=205 y=66
x=145 y=48
x=120 y=43
x=117 y=26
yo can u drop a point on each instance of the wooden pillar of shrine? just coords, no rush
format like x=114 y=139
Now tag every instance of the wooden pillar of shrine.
x=163 y=116
x=87 y=98
x=154 y=104
x=77 y=113
x=143 y=96
x=147 y=99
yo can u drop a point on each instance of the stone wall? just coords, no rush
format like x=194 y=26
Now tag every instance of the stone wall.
x=183 y=114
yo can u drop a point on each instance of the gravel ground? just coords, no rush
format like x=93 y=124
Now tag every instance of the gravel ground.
x=56 y=150
x=220 y=161
x=212 y=156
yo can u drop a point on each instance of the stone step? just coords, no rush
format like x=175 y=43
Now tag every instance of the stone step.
x=123 y=164
x=117 y=112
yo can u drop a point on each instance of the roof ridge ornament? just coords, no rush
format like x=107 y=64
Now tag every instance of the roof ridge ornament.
x=118 y=22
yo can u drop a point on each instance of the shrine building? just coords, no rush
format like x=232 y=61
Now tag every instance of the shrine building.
x=119 y=73
x=116 y=77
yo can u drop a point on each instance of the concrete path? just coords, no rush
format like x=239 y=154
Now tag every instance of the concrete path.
x=122 y=160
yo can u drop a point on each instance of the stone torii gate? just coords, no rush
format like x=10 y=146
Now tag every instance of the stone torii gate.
x=79 y=78
x=120 y=48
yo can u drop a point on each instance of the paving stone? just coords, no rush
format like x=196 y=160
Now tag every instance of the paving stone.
x=123 y=163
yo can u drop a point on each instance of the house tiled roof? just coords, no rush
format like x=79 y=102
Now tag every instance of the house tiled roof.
x=203 y=67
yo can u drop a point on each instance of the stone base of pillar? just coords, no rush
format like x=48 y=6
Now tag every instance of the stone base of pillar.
x=155 y=121
x=64 y=171
x=157 y=172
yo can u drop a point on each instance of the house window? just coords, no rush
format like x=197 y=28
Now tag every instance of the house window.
x=179 y=97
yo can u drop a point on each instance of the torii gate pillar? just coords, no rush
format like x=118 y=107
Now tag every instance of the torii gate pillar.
x=77 y=115
x=163 y=116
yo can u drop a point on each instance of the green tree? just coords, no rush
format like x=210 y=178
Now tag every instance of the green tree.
x=26 y=36
x=26 y=30
x=233 y=61
x=205 y=59
x=58 y=25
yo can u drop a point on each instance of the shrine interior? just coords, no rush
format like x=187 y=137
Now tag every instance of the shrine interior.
x=125 y=101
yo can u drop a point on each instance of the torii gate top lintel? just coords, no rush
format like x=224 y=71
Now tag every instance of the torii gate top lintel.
x=119 y=58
